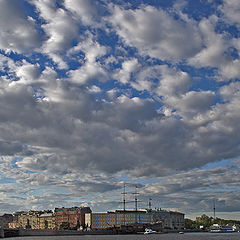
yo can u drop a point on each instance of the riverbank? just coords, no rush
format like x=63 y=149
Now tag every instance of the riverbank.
x=47 y=232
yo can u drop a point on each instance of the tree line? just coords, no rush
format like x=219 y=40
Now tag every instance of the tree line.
x=205 y=222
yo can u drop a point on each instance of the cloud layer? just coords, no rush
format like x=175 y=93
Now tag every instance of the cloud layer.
x=96 y=93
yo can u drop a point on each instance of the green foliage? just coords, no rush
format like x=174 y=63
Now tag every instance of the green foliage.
x=190 y=224
x=64 y=226
x=207 y=221
x=204 y=220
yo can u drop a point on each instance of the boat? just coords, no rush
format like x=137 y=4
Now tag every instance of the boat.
x=149 y=231
x=216 y=228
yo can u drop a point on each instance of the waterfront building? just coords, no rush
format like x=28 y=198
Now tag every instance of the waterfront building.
x=25 y=220
x=169 y=219
x=28 y=220
x=117 y=219
x=71 y=217
x=46 y=221
x=5 y=219
x=74 y=217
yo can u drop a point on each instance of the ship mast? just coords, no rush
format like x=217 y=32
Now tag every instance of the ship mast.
x=136 y=200
x=124 y=202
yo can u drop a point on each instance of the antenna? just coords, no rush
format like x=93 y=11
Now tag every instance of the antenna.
x=150 y=204
x=124 y=196
x=214 y=210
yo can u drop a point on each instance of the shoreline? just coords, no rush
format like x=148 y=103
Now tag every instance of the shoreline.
x=5 y=233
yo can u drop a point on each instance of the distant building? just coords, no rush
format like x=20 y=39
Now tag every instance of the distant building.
x=46 y=221
x=170 y=219
x=74 y=217
x=31 y=220
x=117 y=218
x=167 y=219
x=5 y=219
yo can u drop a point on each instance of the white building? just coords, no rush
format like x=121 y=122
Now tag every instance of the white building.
x=117 y=218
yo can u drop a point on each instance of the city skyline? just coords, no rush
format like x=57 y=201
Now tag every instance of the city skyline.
x=95 y=94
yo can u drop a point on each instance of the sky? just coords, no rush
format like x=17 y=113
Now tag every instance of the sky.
x=97 y=93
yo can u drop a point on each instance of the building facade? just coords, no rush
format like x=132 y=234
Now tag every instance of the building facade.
x=116 y=219
x=46 y=221
x=169 y=219
x=5 y=219
x=32 y=220
x=74 y=217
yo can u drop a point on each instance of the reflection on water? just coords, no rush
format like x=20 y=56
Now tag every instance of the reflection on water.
x=170 y=236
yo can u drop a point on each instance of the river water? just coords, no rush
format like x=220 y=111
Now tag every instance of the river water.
x=170 y=236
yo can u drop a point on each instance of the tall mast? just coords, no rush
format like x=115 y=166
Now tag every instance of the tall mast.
x=124 y=197
x=150 y=204
x=124 y=202
x=214 y=209
x=136 y=200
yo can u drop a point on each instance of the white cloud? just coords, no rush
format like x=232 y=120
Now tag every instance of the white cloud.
x=94 y=89
x=88 y=72
x=230 y=92
x=60 y=30
x=230 y=70
x=18 y=33
x=231 y=11
x=57 y=133
x=128 y=68
x=92 y=69
x=193 y=103
x=155 y=33
x=173 y=83
x=211 y=55
x=83 y=9
x=27 y=72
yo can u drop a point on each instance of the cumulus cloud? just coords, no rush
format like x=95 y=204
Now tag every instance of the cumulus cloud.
x=59 y=28
x=231 y=11
x=156 y=33
x=27 y=72
x=124 y=95
x=197 y=187
x=214 y=45
x=18 y=33
x=128 y=68
x=86 y=10
x=91 y=69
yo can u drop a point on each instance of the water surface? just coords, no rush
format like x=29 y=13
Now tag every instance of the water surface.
x=170 y=236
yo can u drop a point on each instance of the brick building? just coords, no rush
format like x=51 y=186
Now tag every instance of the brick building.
x=74 y=217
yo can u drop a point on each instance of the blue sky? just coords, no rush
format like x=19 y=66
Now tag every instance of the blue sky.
x=97 y=93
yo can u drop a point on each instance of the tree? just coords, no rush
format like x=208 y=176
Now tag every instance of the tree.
x=189 y=224
x=64 y=226
x=204 y=220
